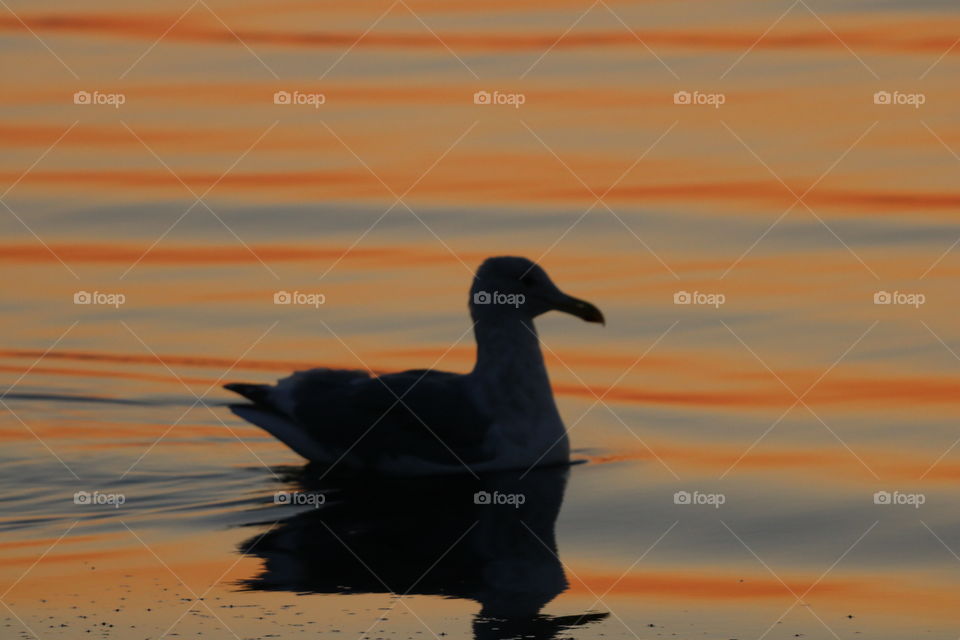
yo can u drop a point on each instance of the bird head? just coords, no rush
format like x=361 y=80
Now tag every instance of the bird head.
x=513 y=285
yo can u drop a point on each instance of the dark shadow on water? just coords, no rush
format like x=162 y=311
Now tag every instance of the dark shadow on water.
x=433 y=536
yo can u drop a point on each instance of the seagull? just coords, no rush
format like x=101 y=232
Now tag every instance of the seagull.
x=500 y=416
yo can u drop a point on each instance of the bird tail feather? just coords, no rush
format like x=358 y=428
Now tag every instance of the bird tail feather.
x=285 y=430
x=256 y=393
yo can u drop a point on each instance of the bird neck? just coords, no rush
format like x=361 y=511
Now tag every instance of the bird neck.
x=510 y=382
x=508 y=351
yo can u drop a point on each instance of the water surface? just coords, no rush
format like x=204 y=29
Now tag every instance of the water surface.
x=798 y=200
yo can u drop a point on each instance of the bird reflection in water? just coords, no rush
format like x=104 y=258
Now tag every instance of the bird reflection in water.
x=489 y=539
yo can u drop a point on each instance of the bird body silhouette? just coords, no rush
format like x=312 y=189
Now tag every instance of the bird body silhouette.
x=499 y=416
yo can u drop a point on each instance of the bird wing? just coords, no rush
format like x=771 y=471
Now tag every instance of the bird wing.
x=423 y=414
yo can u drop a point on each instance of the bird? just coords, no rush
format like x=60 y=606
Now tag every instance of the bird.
x=500 y=416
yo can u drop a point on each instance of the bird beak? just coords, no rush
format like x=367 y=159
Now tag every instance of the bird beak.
x=580 y=308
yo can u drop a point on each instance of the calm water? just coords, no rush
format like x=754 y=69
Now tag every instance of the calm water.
x=790 y=199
